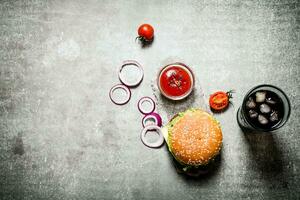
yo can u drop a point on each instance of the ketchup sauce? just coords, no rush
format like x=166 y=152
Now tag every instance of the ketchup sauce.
x=176 y=81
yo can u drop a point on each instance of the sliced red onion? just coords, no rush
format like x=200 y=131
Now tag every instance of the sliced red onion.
x=125 y=80
x=156 y=118
x=158 y=142
x=120 y=87
x=144 y=110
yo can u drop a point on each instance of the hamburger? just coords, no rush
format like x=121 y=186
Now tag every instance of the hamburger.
x=194 y=138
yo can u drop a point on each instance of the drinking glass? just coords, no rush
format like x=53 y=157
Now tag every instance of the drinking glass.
x=244 y=121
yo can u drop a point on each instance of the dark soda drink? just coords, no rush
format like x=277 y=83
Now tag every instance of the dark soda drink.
x=265 y=108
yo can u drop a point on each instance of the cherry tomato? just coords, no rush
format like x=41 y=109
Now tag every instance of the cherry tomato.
x=146 y=32
x=220 y=100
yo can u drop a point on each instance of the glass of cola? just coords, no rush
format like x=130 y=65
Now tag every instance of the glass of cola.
x=265 y=108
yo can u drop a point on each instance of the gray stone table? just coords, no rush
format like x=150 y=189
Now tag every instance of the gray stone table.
x=62 y=138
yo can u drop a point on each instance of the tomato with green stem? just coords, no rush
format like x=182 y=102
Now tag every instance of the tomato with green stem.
x=145 y=33
x=220 y=100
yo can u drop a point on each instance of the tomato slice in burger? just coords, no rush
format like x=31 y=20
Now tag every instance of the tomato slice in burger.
x=220 y=100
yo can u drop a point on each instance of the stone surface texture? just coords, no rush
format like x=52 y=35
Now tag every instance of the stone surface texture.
x=62 y=138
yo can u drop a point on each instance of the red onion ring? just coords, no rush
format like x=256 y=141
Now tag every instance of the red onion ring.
x=155 y=144
x=117 y=87
x=155 y=116
x=141 y=73
x=146 y=99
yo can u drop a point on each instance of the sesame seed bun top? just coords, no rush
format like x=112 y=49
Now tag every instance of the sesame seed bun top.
x=194 y=137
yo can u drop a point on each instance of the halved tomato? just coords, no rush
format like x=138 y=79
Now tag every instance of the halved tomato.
x=220 y=100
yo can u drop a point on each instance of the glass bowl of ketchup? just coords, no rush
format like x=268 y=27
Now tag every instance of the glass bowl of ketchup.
x=175 y=81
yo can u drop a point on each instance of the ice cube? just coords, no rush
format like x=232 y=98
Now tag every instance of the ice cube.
x=264 y=108
x=253 y=114
x=262 y=119
x=274 y=116
x=250 y=103
x=270 y=101
x=260 y=97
